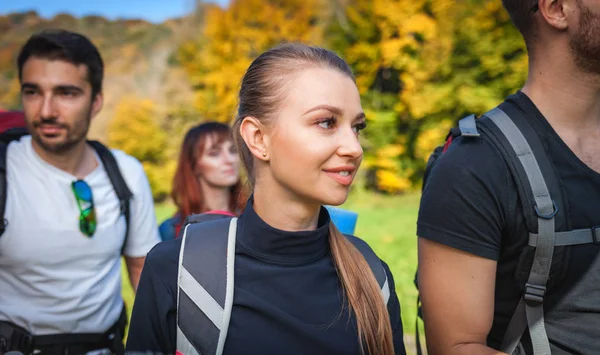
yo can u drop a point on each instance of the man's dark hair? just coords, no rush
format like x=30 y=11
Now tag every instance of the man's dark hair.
x=521 y=13
x=56 y=44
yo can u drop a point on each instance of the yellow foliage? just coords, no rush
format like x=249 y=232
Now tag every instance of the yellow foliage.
x=160 y=177
x=389 y=177
x=418 y=64
x=136 y=131
x=430 y=138
x=392 y=183
x=232 y=38
x=11 y=94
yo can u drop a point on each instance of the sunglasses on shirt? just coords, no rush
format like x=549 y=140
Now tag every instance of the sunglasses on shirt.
x=85 y=202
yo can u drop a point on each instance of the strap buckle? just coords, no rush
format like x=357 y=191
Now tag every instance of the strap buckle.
x=596 y=235
x=549 y=215
x=123 y=206
x=534 y=294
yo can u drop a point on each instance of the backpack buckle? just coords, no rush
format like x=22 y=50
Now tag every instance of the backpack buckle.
x=596 y=235
x=549 y=215
x=534 y=294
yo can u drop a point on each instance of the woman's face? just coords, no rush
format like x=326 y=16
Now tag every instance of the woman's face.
x=218 y=166
x=314 y=150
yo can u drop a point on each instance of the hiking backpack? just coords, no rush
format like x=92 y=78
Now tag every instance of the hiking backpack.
x=12 y=128
x=205 y=281
x=540 y=194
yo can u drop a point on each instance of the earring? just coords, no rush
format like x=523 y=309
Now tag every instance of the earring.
x=264 y=154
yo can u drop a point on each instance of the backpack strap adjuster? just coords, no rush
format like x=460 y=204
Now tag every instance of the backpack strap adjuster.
x=534 y=294
x=549 y=215
x=596 y=235
x=123 y=206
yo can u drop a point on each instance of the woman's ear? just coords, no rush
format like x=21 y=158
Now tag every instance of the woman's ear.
x=256 y=138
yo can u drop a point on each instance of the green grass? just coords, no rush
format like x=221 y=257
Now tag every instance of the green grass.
x=388 y=224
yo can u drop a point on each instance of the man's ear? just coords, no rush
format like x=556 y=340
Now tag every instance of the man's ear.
x=557 y=13
x=97 y=104
x=256 y=138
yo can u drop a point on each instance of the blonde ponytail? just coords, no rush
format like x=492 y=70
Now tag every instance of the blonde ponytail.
x=363 y=294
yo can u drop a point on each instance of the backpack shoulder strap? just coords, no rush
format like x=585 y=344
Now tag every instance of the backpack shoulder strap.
x=514 y=155
x=118 y=182
x=468 y=126
x=205 y=285
x=3 y=191
x=530 y=174
x=374 y=263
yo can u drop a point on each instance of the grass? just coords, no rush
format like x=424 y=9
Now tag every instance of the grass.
x=388 y=224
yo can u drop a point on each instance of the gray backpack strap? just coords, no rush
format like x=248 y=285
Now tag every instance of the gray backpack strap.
x=574 y=237
x=468 y=127
x=546 y=209
x=374 y=263
x=205 y=286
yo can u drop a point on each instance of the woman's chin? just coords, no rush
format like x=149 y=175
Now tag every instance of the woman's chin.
x=334 y=199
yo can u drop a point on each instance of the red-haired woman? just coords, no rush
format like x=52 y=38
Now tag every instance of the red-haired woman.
x=207 y=176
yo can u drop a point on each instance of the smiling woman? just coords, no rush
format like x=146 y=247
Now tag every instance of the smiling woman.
x=300 y=284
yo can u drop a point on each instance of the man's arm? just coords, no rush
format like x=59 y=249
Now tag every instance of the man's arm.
x=457 y=292
x=143 y=231
x=134 y=269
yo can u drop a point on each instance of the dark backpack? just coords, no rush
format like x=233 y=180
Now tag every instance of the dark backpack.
x=206 y=279
x=540 y=194
x=12 y=128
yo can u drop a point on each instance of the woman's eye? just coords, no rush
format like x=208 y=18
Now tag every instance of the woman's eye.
x=359 y=127
x=327 y=124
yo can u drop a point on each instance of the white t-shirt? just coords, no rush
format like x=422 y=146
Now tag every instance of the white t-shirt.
x=53 y=278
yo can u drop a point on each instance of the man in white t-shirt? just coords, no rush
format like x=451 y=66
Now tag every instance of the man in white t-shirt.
x=60 y=252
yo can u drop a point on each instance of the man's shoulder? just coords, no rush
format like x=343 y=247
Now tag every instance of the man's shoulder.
x=131 y=168
x=472 y=156
x=17 y=147
x=126 y=161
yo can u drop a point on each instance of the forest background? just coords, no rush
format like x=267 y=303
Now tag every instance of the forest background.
x=420 y=65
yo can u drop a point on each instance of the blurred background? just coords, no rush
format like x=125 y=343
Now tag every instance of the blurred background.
x=420 y=64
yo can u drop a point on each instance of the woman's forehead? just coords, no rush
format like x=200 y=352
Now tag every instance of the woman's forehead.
x=217 y=139
x=322 y=86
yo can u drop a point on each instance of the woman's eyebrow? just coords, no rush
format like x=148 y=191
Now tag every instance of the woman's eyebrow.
x=336 y=110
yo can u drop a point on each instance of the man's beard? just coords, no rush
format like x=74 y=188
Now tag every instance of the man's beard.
x=73 y=135
x=585 y=45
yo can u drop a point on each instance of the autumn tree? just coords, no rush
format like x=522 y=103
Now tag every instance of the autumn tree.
x=420 y=66
x=232 y=38
x=135 y=130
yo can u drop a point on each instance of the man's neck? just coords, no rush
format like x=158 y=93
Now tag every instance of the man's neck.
x=568 y=98
x=78 y=161
x=216 y=198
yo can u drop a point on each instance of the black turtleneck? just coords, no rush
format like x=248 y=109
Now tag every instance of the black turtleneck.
x=287 y=296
